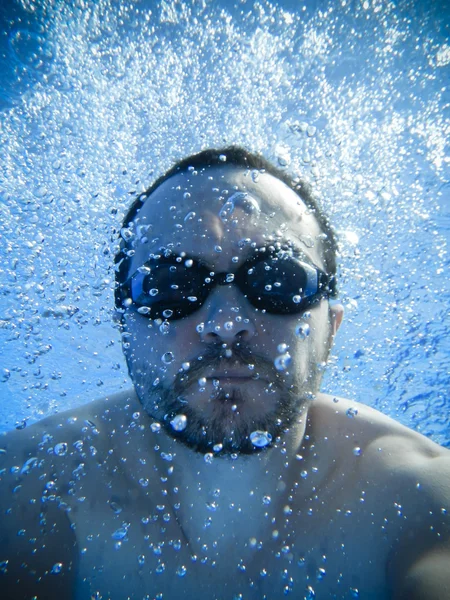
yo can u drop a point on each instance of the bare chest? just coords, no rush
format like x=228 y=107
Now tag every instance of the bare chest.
x=133 y=547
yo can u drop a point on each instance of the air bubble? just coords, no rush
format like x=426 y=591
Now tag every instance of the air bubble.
x=260 y=439
x=190 y=216
x=357 y=451
x=302 y=331
x=320 y=573
x=167 y=358
x=61 y=449
x=155 y=427
x=243 y=200
x=352 y=412
x=225 y=213
x=29 y=464
x=310 y=593
x=283 y=362
x=57 y=568
x=126 y=234
x=115 y=506
x=164 y=328
x=121 y=533
x=179 y=423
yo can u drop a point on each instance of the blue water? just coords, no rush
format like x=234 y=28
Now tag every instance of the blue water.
x=99 y=98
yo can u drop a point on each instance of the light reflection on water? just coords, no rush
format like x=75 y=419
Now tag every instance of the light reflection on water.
x=100 y=98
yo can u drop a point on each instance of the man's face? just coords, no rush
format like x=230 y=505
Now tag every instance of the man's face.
x=228 y=369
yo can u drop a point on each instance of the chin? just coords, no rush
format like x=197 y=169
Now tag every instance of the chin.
x=221 y=420
x=224 y=426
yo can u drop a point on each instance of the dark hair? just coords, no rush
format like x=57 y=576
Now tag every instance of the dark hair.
x=232 y=155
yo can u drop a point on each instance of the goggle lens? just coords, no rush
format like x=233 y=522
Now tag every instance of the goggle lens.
x=173 y=288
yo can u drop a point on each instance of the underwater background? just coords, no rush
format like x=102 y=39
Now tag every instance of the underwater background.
x=98 y=98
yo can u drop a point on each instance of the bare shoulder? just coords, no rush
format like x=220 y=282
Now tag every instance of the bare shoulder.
x=406 y=471
x=350 y=422
x=94 y=418
x=44 y=452
x=38 y=554
x=388 y=452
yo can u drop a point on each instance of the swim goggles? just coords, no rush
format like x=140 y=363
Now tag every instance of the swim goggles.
x=174 y=287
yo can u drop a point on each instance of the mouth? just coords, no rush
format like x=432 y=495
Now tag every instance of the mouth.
x=216 y=373
x=230 y=378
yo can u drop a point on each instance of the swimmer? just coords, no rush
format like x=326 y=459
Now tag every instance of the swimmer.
x=224 y=473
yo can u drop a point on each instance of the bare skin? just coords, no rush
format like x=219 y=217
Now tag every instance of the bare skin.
x=360 y=513
x=343 y=503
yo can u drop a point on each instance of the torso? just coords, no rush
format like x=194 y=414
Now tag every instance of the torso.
x=328 y=544
x=332 y=534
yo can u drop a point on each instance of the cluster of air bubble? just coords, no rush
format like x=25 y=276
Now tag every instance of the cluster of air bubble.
x=109 y=95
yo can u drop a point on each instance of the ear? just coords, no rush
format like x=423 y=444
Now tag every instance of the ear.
x=336 y=316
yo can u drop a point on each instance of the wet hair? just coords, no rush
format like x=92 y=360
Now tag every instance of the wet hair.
x=240 y=157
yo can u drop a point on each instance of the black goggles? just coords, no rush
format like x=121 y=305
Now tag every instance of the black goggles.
x=174 y=287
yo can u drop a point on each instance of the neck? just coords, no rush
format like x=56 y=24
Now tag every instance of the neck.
x=224 y=501
x=247 y=494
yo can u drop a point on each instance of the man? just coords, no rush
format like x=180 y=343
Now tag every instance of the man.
x=225 y=473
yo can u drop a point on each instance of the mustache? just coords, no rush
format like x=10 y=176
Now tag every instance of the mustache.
x=216 y=356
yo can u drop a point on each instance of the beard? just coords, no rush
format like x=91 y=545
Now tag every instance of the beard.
x=224 y=430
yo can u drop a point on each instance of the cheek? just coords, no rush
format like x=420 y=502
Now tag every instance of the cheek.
x=164 y=346
x=285 y=334
x=304 y=338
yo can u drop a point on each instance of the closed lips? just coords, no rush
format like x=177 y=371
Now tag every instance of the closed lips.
x=232 y=375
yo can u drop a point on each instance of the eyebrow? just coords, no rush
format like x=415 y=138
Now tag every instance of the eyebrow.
x=297 y=249
x=286 y=245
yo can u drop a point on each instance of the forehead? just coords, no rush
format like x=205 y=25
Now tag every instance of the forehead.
x=217 y=212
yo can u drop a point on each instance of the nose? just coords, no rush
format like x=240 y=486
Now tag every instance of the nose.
x=227 y=318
